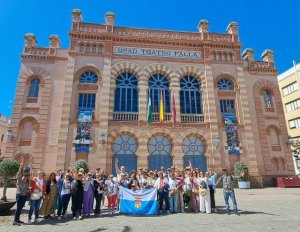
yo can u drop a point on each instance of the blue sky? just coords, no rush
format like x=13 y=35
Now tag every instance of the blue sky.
x=263 y=24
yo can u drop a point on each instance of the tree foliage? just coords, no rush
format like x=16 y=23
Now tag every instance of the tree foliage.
x=9 y=168
x=82 y=164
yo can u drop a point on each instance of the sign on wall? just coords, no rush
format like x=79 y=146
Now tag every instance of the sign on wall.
x=232 y=134
x=163 y=53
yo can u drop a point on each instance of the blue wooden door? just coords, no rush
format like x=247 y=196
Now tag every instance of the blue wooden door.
x=156 y=161
x=124 y=148
x=160 y=148
x=194 y=149
x=198 y=161
x=127 y=160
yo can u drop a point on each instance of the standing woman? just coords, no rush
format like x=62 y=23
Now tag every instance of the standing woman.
x=22 y=191
x=187 y=187
x=38 y=188
x=98 y=193
x=211 y=184
x=204 y=193
x=112 y=189
x=77 y=197
x=195 y=192
x=51 y=191
x=64 y=196
x=88 y=195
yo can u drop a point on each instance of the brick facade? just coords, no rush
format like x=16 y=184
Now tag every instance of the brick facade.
x=53 y=115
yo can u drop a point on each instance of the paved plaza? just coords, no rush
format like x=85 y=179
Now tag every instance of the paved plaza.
x=269 y=209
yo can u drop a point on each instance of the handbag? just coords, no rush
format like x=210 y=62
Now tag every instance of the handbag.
x=35 y=196
x=194 y=190
x=203 y=192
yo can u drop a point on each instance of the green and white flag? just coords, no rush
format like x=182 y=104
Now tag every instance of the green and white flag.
x=149 y=111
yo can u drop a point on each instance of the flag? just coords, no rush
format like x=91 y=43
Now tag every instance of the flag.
x=139 y=202
x=173 y=108
x=149 y=111
x=161 y=108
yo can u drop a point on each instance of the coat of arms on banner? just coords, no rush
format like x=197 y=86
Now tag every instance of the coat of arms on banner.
x=137 y=201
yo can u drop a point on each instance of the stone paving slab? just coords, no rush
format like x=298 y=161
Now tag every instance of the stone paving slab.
x=262 y=210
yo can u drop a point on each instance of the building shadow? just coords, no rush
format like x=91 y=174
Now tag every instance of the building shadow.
x=127 y=229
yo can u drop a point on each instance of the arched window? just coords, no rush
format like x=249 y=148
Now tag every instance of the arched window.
x=190 y=96
x=34 y=88
x=268 y=99
x=88 y=77
x=126 y=94
x=225 y=84
x=26 y=131
x=157 y=84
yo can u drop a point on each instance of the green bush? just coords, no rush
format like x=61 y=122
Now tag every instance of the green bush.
x=241 y=168
x=82 y=164
x=9 y=168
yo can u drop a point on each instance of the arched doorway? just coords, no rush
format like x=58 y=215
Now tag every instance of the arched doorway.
x=194 y=149
x=159 y=148
x=124 y=148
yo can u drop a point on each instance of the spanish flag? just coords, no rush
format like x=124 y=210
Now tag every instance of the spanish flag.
x=161 y=108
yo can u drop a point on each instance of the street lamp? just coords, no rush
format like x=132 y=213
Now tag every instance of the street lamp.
x=9 y=130
x=217 y=141
x=102 y=136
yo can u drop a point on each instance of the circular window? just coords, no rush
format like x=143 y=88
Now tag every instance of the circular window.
x=125 y=144
x=159 y=145
x=193 y=145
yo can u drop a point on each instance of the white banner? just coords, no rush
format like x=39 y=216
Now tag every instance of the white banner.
x=178 y=54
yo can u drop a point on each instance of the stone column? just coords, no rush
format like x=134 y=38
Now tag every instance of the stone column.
x=249 y=153
x=210 y=111
x=104 y=158
x=64 y=128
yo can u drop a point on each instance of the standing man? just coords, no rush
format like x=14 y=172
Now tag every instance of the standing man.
x=118 y=171
x=162 y=186
x=228 y=190
x=22 y=191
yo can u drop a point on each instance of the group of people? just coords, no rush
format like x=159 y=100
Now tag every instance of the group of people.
x=189 y=190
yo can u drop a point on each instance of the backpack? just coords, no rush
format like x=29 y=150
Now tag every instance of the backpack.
x=186 y=198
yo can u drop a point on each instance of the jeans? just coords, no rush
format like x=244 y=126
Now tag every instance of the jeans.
x=21 y=200
x=34 y=205
x=63 y=202
x=226 y=198
x=163 y=197
x=173 y=203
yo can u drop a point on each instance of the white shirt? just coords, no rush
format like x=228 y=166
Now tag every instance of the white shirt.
x=112 y=187
x=157 y=183
x=66 y=188
x=173 y=183
x=39 y=184
x=187 y=184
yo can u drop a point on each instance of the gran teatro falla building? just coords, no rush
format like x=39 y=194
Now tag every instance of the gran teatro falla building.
x=90 y=101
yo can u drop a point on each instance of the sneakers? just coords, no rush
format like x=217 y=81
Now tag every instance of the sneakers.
x=237 y=213
x=16 y=224
x=29 y=221
x=228 y=213
x=59 y=218
x=74 y=218
x=79 y=218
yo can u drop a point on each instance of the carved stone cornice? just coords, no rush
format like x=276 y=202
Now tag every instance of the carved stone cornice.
x=87 y=87
x=30 y=109
x=255 y=67
x=25 y=143
x=268 y=117
x=226 y=93
x=276 y=148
